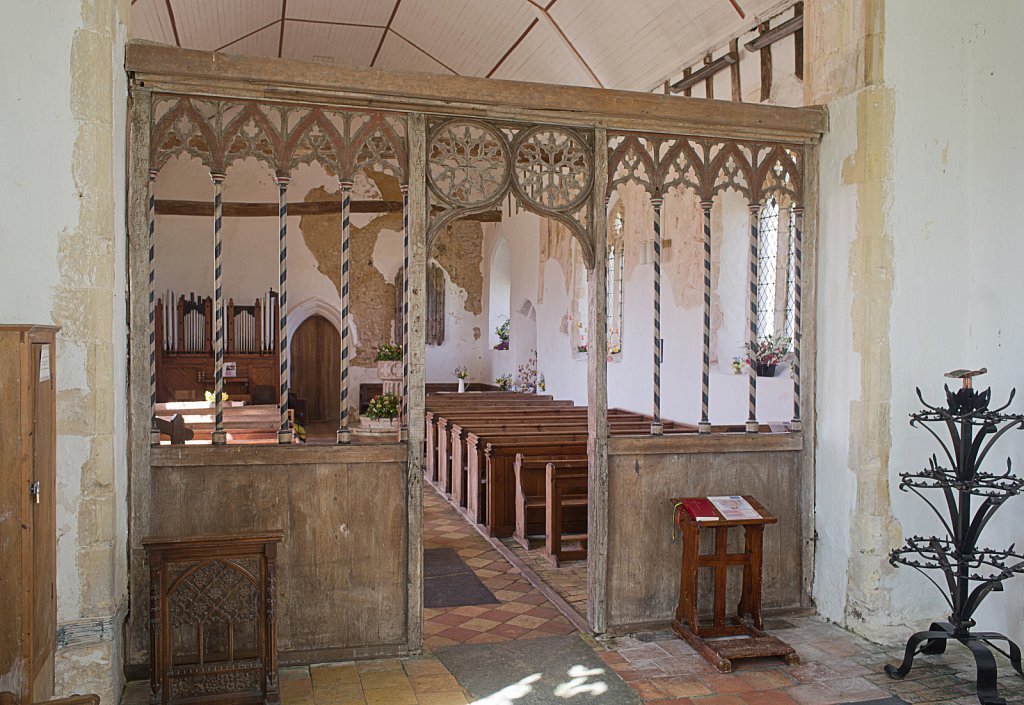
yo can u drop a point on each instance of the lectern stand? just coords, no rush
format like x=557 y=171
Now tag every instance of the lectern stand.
x=746 y=627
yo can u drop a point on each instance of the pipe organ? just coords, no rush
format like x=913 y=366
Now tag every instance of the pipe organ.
x=185 y=349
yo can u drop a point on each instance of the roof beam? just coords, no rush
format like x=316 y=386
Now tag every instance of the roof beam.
x=705 y=73
x=302 y=208
x=773 y=35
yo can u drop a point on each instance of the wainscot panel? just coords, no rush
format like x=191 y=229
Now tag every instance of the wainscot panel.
x=644 y=473
x=342 y=565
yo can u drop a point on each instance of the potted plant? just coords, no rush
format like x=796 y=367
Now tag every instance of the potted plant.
x=765 y=355
x=461 y=372
x=389 y=363
x=381 y=414
x=502 y=332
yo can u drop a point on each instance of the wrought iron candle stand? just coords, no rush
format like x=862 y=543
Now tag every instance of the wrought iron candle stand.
x=973 y=429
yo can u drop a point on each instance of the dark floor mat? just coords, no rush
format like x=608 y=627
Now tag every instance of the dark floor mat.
x=537 y=672
x=449 y=582
x=887 y=701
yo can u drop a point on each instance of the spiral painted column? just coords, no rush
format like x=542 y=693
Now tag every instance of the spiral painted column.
x=405 y=313
x=154 y=432
x=755 y=211
x=656 y=427
x=705 y=380
x=284 y=435
x=219 y=437
x=798 y=233
x=344 y=435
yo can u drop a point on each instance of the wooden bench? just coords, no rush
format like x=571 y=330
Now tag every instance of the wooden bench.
x=454 y=464
x=244 y=424
x=565 y=488
x=531 y=497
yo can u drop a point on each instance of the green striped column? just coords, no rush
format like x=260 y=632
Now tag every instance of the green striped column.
x=219 y=437
x=154 y=432
x=705 y=379
x=798 y=234
x=284 y=435
x=755 y=221
x=344 y=435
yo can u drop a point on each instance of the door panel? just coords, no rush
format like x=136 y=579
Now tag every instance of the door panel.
x=316 y=366
x=44 y=530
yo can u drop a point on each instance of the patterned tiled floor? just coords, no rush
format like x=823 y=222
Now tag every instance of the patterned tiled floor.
x=569 y=580
x=523 y=612
x=836 y=666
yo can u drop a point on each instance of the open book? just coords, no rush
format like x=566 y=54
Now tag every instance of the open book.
x=734 y=508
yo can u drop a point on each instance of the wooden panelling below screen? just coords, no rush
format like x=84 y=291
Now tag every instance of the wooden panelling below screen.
x=643 y=560
x=342 y=564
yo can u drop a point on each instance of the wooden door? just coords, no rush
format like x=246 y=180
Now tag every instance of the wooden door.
x=44 y=526
x=316 y=366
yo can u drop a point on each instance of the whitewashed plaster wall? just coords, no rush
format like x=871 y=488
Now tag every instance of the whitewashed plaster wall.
x=933 y=133
x=63 y=263
x=956 y=191
x=630 y=373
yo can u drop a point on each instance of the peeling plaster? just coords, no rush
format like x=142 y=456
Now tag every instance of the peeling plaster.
x=459 y=250
x=372 y=294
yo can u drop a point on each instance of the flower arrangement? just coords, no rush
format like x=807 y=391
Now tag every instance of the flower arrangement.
x=211 y=397
x=541 y=384
x=502 y=331
x=383 y=406
x=770 y=350
x=389 y=352
x=461 y=372
x=737 y=364
x=504 y=382
x=527 y=374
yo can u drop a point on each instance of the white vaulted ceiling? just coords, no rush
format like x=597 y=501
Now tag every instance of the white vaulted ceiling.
x=625 y=44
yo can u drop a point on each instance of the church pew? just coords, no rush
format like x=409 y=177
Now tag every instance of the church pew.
x=243 y=424
x=484 y=402
x=565 y=488
x=530 y=495
x=437 y=462
x=490 y=476
x=496 y=507
x=461 y=460
x=451 y=453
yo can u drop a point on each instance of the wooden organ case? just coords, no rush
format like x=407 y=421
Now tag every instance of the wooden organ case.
x=184 y=350
x=28 y=533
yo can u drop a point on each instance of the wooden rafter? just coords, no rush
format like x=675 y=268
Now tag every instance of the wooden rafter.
x=769 y=37
x=543 y=13
x=384 y=34
x=268 y=25
x=512 y=48
x=174 y=23
x=706 y=73
x=280 y=40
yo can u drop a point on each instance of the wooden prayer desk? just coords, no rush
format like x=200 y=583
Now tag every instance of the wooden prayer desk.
x=746 y=627
x=213 y=631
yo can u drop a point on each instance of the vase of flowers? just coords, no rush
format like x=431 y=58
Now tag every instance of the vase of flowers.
x=461 y=372
x=381 y=414
x=504 y=382
x=502 y=331
x=765 y=355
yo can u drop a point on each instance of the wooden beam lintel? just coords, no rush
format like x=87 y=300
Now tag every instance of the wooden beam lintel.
x=269 y=210
x=705 y=73
x=186 y=71
x=773 y=35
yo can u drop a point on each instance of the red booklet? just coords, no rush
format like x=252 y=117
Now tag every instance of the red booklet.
x=700 y=508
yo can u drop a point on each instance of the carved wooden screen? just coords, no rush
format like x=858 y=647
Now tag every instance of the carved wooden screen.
x=212 y=626
x=435 y=305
